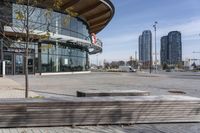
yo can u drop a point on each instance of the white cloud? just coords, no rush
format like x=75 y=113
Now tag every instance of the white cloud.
x=188 y=29
x=121 y=39
x=118 y=46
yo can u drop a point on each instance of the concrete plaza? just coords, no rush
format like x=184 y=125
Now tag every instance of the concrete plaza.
x=156 y=84
x=62 y=86
x=11 y=89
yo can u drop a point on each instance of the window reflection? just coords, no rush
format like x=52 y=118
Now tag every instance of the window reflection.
x=64 y=60
x=55 y=57
x=57 y=23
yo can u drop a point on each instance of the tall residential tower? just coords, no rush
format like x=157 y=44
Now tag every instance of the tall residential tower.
x=171 y=49
x=164 y=50
x=145 y=44
x=140 y=48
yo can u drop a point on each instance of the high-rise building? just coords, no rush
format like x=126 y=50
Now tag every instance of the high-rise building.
x=164 y=50
x=140 y=48
x=175 y=47
x=145 y=43
x=171 y=48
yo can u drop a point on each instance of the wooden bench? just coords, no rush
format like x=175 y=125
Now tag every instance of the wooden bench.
x=98 y=110
x=94 y=93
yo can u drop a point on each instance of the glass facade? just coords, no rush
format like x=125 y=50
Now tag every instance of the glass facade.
x=55 y=22
x=47 y=56
x=145 y=43
x=164 y=50
x=171 y=48
x=59 y=58
x=175 y=47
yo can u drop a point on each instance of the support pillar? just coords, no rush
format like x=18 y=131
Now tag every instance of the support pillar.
x=39 y=58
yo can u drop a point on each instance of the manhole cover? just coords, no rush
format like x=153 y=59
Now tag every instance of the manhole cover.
x=177 y=92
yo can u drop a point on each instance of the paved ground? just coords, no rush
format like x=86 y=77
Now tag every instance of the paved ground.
x=11 y=89
x=67 y=85
x=153 y=128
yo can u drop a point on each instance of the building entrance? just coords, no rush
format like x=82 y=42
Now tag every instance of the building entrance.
x=19 y=64
x=15 y=63
x=8 y=57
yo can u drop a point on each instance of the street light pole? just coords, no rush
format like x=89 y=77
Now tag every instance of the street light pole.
x=155 y=29
x=150 y=67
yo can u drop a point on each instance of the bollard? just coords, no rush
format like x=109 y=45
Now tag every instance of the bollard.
x=2 y=68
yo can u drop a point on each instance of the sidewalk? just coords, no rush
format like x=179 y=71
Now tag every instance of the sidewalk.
x=142 y=128
x=11 y=89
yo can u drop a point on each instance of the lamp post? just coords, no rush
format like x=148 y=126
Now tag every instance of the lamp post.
x=155 y=29
x=150 y=66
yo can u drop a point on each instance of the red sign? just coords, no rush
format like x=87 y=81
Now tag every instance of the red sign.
x=94 y=38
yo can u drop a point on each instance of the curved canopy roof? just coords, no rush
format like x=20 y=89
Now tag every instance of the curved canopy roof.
x=96 y=13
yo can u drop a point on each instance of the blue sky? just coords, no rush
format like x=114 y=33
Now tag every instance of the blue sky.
x=120 y=37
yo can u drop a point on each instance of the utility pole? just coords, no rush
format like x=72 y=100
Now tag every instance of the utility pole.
x=155 y=29
x=150 y=66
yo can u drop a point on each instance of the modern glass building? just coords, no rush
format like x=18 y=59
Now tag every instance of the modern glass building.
x=171 y=49
x=141 y=58
x=175 y=47
x=69 y=29
x=164 y=50
x=145 y=44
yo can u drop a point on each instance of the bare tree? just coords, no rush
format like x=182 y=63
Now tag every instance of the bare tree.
x=25 y=27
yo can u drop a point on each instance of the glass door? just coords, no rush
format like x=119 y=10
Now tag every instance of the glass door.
x=19 y=64
x=31 y=64
x=8 y=57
